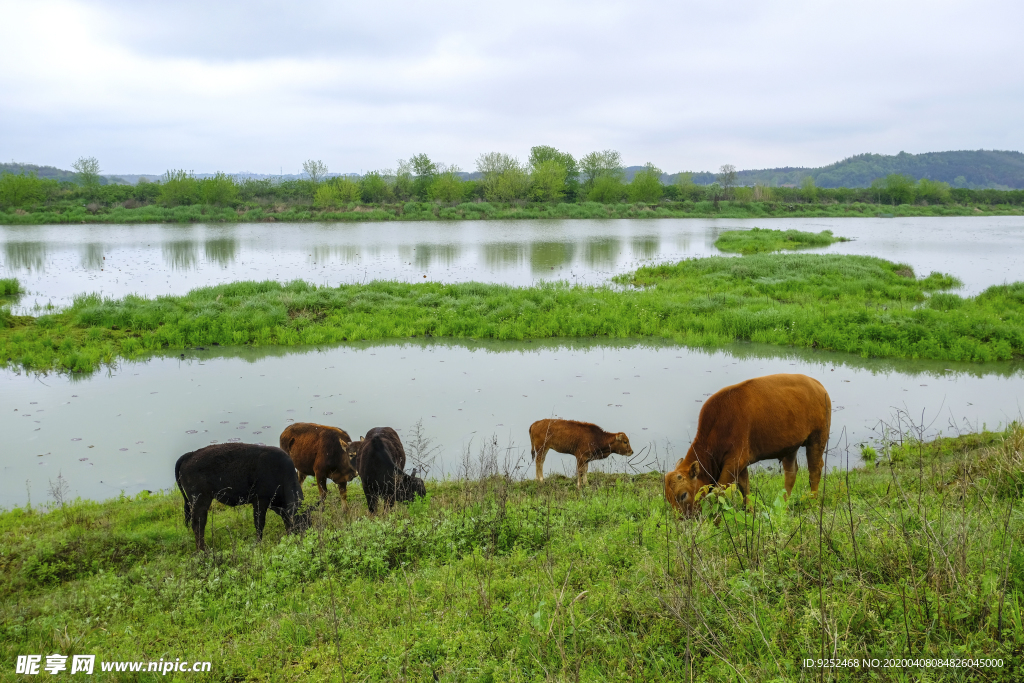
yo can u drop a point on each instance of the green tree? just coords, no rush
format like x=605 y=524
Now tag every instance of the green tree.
x=403 y=181
x=221 y=190
x=424 y=171
x=375 y=188
x=894 y=188
x=178 y=188
x=726 y=179
x=447 y=186
x=504 y=178
x=337 y=191
x=607 y=189
x=316 y=170
x=809 y=190
x=601 y=165
x=714 y=193
x=548 y=180
x=20 y=189
x=544 y=153
x=646 y=186
x=88 y=169
x=932 y=191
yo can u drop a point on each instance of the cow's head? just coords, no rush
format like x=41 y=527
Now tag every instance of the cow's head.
x=343 y=469
x=682 y=486
x=621 y=445
x=411 y=486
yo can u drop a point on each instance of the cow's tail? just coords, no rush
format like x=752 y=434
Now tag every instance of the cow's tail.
x=188 y=503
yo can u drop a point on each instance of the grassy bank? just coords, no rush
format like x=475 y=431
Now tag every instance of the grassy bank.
x=429 y=211
x=494 y=579
x=762 y=240
x=856 y=304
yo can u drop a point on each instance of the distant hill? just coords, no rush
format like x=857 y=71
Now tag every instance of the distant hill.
x=976 y=170
x=54 y=173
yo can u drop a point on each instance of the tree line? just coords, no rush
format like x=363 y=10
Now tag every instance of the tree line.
x=547 y=176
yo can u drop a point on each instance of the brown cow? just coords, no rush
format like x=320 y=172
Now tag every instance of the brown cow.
x=320 y=451
x=586 y=441
x=765 y=418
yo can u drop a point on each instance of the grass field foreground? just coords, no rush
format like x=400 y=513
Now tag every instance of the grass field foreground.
x=495 y=579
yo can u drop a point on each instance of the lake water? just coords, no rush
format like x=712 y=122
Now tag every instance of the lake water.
x=57 y=262
x=123 y=429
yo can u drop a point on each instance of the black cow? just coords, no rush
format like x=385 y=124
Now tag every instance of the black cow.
x=239 y=474
x=381 y=478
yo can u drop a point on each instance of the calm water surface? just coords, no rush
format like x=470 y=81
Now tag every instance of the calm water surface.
x=123 y=430
x=56 y=262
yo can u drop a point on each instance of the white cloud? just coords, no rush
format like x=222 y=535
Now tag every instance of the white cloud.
x=256 y=86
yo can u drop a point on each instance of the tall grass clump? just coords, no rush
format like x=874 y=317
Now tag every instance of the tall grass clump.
x=10 y=286
x=758 y=240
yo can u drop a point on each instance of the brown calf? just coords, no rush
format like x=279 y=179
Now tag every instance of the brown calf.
x=584 y=440
x=320 y=451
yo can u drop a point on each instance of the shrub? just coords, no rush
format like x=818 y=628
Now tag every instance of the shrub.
x=20 y=189
x=179 y=188
x=220 y=190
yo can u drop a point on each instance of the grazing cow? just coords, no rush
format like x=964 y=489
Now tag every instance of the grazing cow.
x=239 y=474
x=765 y=418
x=586 y=441
x=382 y=479
x=397 y=449
x=321 y=452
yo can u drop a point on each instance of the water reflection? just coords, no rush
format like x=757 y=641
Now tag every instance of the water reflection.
x=30 y=256
x=546 y=256
x=437 y=255
x=646 y=247
x=221 y=251
x=181 y=254
x=601 y=253
x=505 y=255
x=92 y=256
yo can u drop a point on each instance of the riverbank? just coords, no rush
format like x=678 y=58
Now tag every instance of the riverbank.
x=428 y=211
x=855 y=304
x=491 y=578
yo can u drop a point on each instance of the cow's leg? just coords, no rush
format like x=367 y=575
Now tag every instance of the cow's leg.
x=815 y=447
x=539 y=455
x=343 y=492
x=321 y=484
x=743 y=483
x=259 y=516
x=582 y=467
x=732 y=470
x=789 y=466
x=200 y=510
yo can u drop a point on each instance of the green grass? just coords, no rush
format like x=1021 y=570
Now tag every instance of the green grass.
x=758 y=240
x=492 y=579
x=427 y=211
x=10 y=286
x=855 y=304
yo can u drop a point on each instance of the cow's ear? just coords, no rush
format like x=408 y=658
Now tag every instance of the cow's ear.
x=694 y=469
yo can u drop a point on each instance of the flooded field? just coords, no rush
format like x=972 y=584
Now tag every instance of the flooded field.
x=57 y=262
x=123 y=430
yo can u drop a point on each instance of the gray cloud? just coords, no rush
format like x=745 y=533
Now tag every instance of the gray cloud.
x=261 y=85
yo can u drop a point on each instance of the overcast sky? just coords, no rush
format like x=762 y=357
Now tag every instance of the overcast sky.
x=260 y=86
